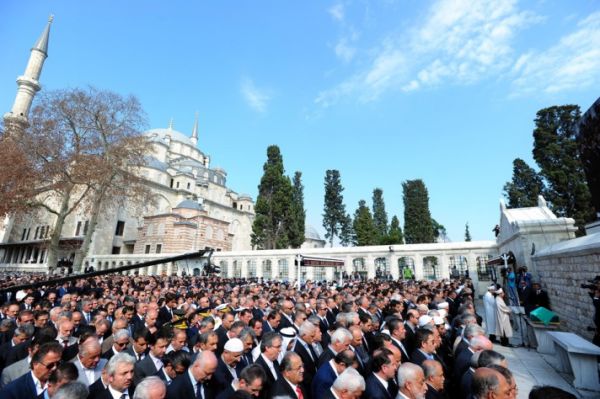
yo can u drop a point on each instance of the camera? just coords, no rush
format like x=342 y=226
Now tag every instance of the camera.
x=593 y=284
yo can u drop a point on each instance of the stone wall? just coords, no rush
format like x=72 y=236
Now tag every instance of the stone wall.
x=562 y=269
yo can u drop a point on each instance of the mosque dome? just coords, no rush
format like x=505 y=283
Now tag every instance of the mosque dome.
x=189 y=204
x=160 y=135
x=310 y=233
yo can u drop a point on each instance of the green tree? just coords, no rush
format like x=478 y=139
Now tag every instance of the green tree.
x=347 y=231
x=525 y=187
x=298 y=213
x=395 y=235
x=364 y=226
x=273 y=204
x=418 y=227
x=556 y=152
x=380 y=216
x=467 y=232
x=589 y=149
x=439 y=231
x=334 y=213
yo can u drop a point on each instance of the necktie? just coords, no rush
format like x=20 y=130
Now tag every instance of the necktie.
x=311 y=352
x=124 y=396
x=65 y=343
x=299 y=392
x=199 y=390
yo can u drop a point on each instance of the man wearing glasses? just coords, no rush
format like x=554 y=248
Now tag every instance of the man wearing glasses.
x=34 y=383
x=121 y=340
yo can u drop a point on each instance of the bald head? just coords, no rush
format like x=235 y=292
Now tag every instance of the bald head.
x=480 y=343
x=487 y=381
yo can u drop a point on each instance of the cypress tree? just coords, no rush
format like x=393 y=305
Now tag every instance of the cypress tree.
x=467 y=232
x=380 y=216
x=395 y=235
x=298 y=213
x=347 y=231
x=364 y=226
x=589 y=148
x=418 y=226
x=273 y=204
x=526 y=185
x=556 y=152
x=334 y=213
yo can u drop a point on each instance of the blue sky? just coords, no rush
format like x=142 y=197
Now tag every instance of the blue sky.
x=383 y=91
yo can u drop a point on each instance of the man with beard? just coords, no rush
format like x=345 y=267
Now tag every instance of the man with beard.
x=119 y=371
x=229 y=359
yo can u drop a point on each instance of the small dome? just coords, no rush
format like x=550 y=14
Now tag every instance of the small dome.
x=310 y=233
x=161 y=134
x=189 y=204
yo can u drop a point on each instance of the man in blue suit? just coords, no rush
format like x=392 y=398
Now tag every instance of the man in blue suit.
x=329 y=371
x=33 y=384
x=193 y=383
x=384 y=369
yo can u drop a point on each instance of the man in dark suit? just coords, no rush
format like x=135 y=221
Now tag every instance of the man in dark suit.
x=434 y=377
x=119 y=373
x=272 y=322
x=43 y=363
x=250 y=381
x=425 y=347
x=329 y=371
x=193 y=383
x=462 y=363
x=165 y=314
x=411 y=323
x=303 y=347
x=223 y=330
x=137 y=321
x=340 y=341
x=270 y=347
x=398 y=332
x=384 y=370
x=226 y=372
x=152 y=363
x=292 y=371
x=287 y=315
x=139 y=348
x=332 y=310
x=536 y=298
x=121 y=340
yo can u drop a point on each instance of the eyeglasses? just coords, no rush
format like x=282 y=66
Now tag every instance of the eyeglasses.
x=50 y=366
x=120 y=343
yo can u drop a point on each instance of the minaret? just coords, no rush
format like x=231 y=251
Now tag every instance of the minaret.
x=195 y=131
x=28 y=84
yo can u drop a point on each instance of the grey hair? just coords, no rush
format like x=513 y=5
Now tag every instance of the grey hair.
x=85 y=347
x=147 y=385
x=340 y=335
x=472 y=330
x=72 y=390
x=482 y=384
x=314 y=319
x=341 y=319
x=429 y=367
x=489 y=357
x=25 y=329
x=206 y=322
x=286 y=362
x=246 y=331
x=117 y=359
x=349 y=380
x=306 y=328
x=407 y=372
x=121 y=334
x=478 y=342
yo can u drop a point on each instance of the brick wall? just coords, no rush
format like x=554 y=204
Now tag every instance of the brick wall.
x=561 y=276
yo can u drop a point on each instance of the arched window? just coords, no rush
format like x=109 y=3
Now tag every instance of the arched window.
x=224 y=265
x=359 y=268
x=237 y=269
x=382 y=267
x=267 y=269
x=406 y=262
x=458 y=266
x=251 y=268
x=483 y=270
x=284 y=271
x=430 y=268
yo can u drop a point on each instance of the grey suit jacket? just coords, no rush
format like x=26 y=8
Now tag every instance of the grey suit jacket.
x=82 y=374
x=14 y=371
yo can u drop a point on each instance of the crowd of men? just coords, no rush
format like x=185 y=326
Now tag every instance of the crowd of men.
x=152 y=337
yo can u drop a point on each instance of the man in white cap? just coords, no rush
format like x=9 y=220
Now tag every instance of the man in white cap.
x=225 y=373
x=425 y=320
x=489 y=304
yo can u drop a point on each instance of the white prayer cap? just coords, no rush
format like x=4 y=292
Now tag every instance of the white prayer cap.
x=492 y=287
x=234 y=345
x=443 y=313
x=438 y=320
x=443 y=305
x=424 y=320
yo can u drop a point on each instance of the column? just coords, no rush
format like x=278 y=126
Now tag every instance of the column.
x=370 y=266
x=259 y=267
x=418 y=266
x=329 y=273
x=394 y=266
x=229 y=268
x=169 y=268
x=244 y=267
x=444 y=266
x=274 y=269
x=293 y=270
x=472 y=267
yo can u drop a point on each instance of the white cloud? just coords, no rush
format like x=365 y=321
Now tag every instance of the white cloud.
x=456 y=41
x=256 y=98
x=344 y=51
x=337 y=12
x=573 y=63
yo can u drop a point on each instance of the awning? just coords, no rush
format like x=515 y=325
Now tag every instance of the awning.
x=313 y=261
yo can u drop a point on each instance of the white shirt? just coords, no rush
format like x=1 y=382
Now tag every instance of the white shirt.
x=294 y=386
x=157 y=362
x=116 y=394
x=271 y=366
x=383 y=382
x=195 y=383
x=332 y=364
x=39 y=388
x=305 y=345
